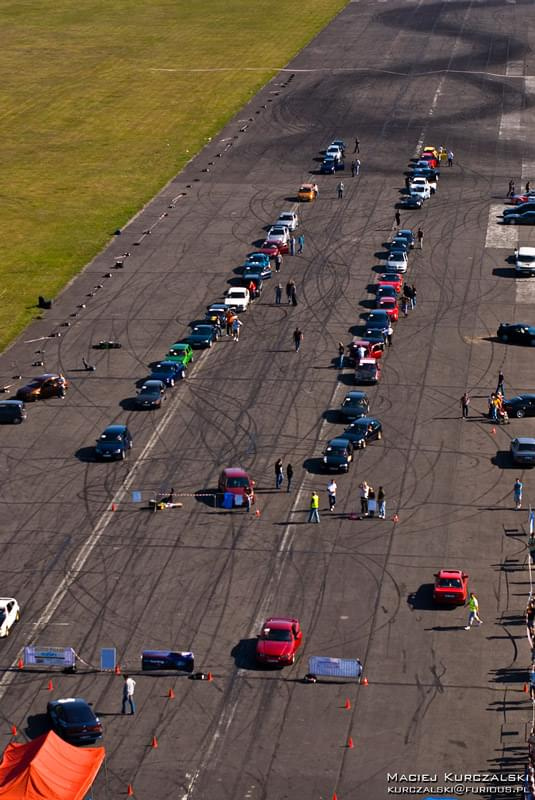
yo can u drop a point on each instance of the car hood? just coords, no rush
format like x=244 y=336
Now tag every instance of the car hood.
x=273 y=649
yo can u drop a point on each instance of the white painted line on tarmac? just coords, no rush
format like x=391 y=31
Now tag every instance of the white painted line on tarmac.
x=498 y=234
x=510 y=123
x=529 y=81
x=514 y=69
x=77 y=566
x=525 y=290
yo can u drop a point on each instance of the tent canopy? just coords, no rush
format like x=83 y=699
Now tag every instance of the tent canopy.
x=48 y=768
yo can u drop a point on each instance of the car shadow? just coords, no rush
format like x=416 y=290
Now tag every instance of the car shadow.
x=347 y=379
x=333 y=416
x=129 y=404
x=314 y=466
x=37 y=725
x=208 y=497
x=244 y=655
x=422 y=598
x=504 y=272
x=86 y=455
x=368 y=303
x=503 y=460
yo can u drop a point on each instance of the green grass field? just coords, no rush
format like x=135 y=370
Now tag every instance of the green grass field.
x=100 y=107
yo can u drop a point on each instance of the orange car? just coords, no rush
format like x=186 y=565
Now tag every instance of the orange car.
x=49 y=385
x=308 y=192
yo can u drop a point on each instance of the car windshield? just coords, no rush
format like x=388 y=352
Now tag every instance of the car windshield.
x=527 y=446
x=108 y=436
x=237 y=483
x=450 y=583
x=165 y=368
x=276 y=635
x=367 y=368
x=351 y=401
x=304 y=189
x=2 y=616
x=202 y=329
x=76 y=712
x=525 y=259
x=336 y=451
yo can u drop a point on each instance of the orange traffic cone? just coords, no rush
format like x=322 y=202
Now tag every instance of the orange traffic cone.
x=117 y=669
x=364 y=681
x=114 y=506
x=347 y=703
x=526 y=690
x=154 y=743
x=257 y=512
x=493 y=431
x=130 y=790
x=50 y=686
x=20 y=663
x=209 y=677
x=171 y=694
x=335 y=796
x=350 y=744
x=395 y=518
x=13 y=730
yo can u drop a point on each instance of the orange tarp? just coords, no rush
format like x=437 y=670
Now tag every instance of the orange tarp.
x=48 y=769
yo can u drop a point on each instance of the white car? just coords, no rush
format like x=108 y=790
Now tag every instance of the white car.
x=334 y=152
x=9 y=614
x=421 y=180
x=237 y=297
x=288 y=219
x=397 y=261
x=422 y=190
x=278 y=234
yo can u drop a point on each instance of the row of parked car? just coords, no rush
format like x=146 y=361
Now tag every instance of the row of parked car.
x=366 y=350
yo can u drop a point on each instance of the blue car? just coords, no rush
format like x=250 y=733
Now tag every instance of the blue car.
x=114 y=443
x=328 y=166
x=201 y=336
x=256 y=260
x=168 y=372
x=407 y=234
x=74 y=720
x=257 y=271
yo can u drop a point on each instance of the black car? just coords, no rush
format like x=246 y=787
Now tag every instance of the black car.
x=425 y=172
x=411 y=201
x=151 y=395
x=328 y=166
x=517 y=333
x=74 y=719
x=523 y=405
x=362 y=431
x=338 y=455
x=354 y=405
x=521 y=208
x=524 y=218
x=201 y=336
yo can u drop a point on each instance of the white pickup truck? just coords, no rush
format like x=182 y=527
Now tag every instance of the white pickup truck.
x=525 y=260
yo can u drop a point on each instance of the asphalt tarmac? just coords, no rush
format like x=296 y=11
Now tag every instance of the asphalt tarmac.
x=441 y=702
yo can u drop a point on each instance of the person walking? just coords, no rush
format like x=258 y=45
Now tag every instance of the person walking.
x=352 y=169
x=294 y=295
x=128 y=694
x=465 y=403
x=450 y=158
x=499 y=387
x=278 y=294
x=528 y=186
x=331 y=491
x=357 y=146
x=363 y=492
x=292 y=245
x=518 y=488
x=389 y=333
x=397 y=217
x=420 y=237
x=341 y=351
x=236 y=325
x=340 y=189
x=248 y=497
x=229 y=319
x=357 y=167
x=278 y=262
x=314 y=508
x=404 y=305
x=279 y=476
x=407 y=182
x=381 y=503
x=298 y=339
x=511 y=189
x=413 y=296
x=300 y=243
x=473 y=609
x=289 y=476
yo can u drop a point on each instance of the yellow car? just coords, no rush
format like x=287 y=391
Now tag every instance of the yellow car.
x=431 y=149
x=307 y=192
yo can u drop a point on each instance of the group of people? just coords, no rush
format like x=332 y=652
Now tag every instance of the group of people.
x=233 y=324
x=291 y=293
x=496 y=403
x=372 y=502
x=511 y=189
x=408 y=298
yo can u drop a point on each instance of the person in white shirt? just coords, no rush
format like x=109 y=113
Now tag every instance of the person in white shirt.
x=128 y=694
x=331 y=491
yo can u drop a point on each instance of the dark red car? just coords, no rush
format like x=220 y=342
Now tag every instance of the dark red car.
x=373 y=349
x=278 y=641
x=49 y=385
x=389 y=305
x=236 y=481
x=451 y=587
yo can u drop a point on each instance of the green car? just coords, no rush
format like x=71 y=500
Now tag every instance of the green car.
x=180 y=352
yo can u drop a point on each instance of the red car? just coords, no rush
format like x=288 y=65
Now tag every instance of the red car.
x=279 y=640
x=451 y=587
x=389 y=304
x=270 y=249
x=394 y=280
x=236 y=481
x=516 y=199
x=373 y=349
x=431 y=160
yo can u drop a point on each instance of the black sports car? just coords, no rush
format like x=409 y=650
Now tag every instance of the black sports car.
x=523 y=405
x=517 y=333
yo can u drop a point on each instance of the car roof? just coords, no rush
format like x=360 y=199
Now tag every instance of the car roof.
x=449 y=573
x=5 y=600
x=338 y=441
x=115 y=428
x=388 y=300
x=521 y=398
x=235 y=472
x=279 y=622
x=357 y=395
x=525 y=440
x=153 y=382
x=364 y=421
x=11 y=403
x=308 y=185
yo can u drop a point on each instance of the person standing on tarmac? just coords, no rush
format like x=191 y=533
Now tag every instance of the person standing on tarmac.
x=340 y=189
x=314 y=513
x=331 y=492
x=473 y=615
x=279 y=476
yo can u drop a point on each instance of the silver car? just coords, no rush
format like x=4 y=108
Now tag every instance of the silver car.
x=288 y=219
x=523 y=450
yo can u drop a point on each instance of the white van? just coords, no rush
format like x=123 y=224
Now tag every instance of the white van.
x=525 y=260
